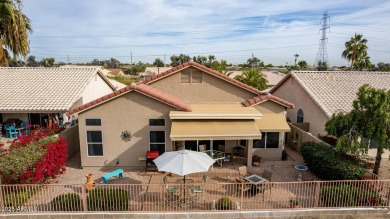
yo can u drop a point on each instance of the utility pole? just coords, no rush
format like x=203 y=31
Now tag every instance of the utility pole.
x=165 y=62
x=131 y=58
x=322 y=54
x=68 y=60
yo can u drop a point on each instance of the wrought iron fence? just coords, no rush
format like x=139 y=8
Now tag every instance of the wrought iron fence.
x=194 y=196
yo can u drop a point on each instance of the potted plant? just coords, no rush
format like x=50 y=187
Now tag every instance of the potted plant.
x=294 y=203
x=256 y=160
x=284 y=155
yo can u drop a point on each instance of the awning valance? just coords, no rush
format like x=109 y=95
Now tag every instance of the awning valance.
x=214 y=130
x=273 y=122
x=217 y=111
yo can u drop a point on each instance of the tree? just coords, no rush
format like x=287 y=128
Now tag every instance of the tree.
x=254 y=78
x=296 y=57
x=363 y=63
x=178 y=60
x=221 y=67
x=369 y=119
x=383 y=66
x=200 y=59
x=14 y=30
x=31 y=62
x=113 y=63
x=139 y=67
x=302 y=64
x=47 y=62
x=322 y=66
x=211 y=59
x=158 y=63
x=355 y=50
x=253 y=62
x=18 y=63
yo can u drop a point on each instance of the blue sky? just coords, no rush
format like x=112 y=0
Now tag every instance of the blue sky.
x=273 y=30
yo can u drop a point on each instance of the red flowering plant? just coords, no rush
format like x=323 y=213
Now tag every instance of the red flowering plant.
x=36 y=158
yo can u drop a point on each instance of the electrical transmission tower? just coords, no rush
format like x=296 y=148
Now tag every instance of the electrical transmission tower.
x=322 y=54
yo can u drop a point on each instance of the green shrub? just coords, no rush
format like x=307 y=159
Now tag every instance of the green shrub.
x=224 y=203
x=325 y=162
x=66 y=202
x=17 y=198
x=107 y=200
x=349 y=195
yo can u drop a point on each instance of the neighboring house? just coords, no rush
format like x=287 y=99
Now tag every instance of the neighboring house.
x=186 y=106
x=115 y=72
x=318 y=95
x=101 y=68
x=152 y=71
x=31 y=94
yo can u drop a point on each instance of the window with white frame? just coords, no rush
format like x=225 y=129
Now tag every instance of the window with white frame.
x=95 y=143
x=268 y=140
x=157 y=141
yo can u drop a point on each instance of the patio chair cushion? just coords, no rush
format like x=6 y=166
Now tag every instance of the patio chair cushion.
x=267 y=174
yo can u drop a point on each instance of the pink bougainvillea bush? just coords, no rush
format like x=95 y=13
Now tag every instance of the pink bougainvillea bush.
x=36 y=158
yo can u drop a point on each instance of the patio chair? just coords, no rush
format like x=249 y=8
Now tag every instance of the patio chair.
x=243 y=188
x=221 y=148
x=11 y=132
x=198 y=189
x=267 y=174
x=243 y=172
x=171 y=190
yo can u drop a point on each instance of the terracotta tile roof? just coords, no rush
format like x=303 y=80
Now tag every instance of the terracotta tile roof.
x=143 y=89
x=205 y=69
x=264 y=97
x=336 y=90
x=43 y=89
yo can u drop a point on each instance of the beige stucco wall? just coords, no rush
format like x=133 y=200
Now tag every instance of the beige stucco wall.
x=271 y=107
x=291 y=91
x=130 y=112
x=211 y=90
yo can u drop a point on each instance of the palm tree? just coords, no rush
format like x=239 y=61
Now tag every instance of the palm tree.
x=296 y=57
x=254 y=78
x=363 y=63
x=302 y=64
x=14 y=30
x=211 y=59
x=355 y=50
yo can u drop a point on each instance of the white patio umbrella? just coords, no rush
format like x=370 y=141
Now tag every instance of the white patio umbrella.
x=183 y=162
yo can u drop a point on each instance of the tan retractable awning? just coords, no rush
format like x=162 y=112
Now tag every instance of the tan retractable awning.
x=214 y=130
x=273 y=122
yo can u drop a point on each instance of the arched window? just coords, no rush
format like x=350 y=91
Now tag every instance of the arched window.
x=300 y=116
